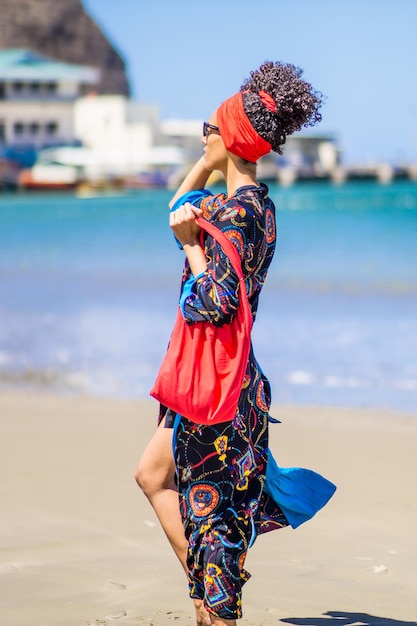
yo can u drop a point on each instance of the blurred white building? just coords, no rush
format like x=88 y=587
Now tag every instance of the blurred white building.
x=75 y=137
x=37 y=96
x=124 y=136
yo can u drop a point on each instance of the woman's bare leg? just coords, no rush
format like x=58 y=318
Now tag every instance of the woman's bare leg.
x=155 y=476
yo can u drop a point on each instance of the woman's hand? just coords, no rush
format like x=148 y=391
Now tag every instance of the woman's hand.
x=184 y=225
x=187 y=231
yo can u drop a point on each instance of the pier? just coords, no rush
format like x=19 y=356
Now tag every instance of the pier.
x=382 y=173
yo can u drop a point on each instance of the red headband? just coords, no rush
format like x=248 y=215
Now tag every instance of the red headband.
x=238 y=134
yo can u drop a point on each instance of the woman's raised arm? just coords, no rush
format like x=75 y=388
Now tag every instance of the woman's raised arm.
x=195 y=179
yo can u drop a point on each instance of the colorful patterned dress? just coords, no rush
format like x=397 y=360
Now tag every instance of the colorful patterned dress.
x=221 y=468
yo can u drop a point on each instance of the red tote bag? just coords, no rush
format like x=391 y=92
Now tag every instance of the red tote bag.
x=202 y=373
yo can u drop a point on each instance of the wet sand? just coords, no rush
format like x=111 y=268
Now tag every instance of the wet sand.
x=80 y=545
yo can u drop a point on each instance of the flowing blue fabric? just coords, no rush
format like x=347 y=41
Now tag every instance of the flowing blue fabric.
x=299 y=492
x=192 y=197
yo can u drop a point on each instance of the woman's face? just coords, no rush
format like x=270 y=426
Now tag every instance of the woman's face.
x=215 y=153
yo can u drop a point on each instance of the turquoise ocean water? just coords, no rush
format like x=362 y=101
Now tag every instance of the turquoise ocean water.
x=88 y=291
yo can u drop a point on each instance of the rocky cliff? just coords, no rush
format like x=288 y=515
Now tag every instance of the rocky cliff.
x=63 y=30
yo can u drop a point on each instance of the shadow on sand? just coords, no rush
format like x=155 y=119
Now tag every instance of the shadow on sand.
x=345 y=618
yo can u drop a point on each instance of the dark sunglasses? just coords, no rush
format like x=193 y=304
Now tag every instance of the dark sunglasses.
x=209 y=128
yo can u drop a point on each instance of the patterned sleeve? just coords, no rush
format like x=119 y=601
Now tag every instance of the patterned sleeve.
x=213 y=296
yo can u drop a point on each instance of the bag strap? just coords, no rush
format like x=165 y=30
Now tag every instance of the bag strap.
x=233 y=255
x=225 y=243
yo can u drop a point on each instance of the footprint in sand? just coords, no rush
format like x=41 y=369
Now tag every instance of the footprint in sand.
x=117 y=614
x=115 y=586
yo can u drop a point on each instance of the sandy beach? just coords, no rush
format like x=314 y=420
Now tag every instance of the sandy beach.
x=80 y=545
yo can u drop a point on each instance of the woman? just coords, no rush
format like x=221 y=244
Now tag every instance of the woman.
x=217 y=474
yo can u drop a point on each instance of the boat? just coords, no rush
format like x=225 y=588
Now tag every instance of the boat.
x=49 y=177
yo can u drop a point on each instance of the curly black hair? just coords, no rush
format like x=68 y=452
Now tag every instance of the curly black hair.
x=297 y=103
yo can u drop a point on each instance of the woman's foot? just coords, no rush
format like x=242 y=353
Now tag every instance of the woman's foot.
x=202 y=616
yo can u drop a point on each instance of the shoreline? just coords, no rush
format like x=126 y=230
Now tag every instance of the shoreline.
x=81 y=546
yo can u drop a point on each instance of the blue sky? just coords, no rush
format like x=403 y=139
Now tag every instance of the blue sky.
x=186 y=56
